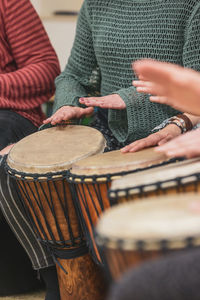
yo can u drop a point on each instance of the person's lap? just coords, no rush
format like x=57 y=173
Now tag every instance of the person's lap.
x=13 y=127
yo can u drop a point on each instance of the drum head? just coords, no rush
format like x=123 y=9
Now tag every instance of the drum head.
x=55 y=149
x=170 y=218
x=115 y=162
x=160 y=174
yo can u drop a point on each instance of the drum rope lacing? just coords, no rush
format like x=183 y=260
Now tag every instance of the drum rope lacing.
x=42 y=193
x=180 y=183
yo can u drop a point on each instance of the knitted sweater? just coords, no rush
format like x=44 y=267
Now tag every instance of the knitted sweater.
x=28 y=63
x=110 y=35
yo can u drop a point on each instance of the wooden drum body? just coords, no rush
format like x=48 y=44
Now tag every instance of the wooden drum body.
x=131 y=233
x=174 y=178
x=40 y=164
x=92 y=179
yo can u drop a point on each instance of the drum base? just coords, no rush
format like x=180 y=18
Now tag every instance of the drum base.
x=84 y=281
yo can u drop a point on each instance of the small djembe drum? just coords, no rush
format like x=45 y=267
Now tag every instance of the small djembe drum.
x=178 y=177
x=92 y=179
x=134 y=232
x=40 y=163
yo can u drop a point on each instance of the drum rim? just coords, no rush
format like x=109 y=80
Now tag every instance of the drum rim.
x=35 y=176
x=150 y=245
x=108 y=177
x=64 y=165
x=115 y=194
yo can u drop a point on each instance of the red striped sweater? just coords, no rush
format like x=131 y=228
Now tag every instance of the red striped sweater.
x=28 y=63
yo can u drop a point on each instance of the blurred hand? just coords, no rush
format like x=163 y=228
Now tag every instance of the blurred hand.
x=169 y=84
x=187 y=145
x=166 y=134
x=68 y=112
x=111 y=101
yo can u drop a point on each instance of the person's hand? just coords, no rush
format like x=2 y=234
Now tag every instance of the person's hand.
x=6 y=150
x=68 y=112
x=111 y=101
x=166 y=134
x=169 y=84
x=187 y=145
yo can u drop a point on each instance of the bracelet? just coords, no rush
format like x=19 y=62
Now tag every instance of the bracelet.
x=173 y=120
x=188 y=123
x=179 y=121
x=176 y=123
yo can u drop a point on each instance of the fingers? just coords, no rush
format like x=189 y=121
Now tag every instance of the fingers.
x=165 y=140
x=160 y=99
x=187 y=145
x=58 y=117
x=48 y=120
x=161 y=137
x=150 y=141
x=91 y=101
x=145 y=87
x=154 y=70
x=113 y=101
x=84 y=112
x=67 y=112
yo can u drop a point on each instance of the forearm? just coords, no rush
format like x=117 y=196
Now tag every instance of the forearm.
x=28 y=87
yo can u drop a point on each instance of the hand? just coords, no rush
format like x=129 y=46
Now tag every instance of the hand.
x=187 y=145
x=111 y=101
x=171 y=84
x=6 y=150
x=68 y=112
x=166 y=134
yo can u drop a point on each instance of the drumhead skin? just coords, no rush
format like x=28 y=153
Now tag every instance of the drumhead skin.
x=55 y=149
x=115 y=162
x=169 y=218
x=184 y=169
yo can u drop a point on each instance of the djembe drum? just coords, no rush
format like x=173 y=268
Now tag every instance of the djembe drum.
x=134 y=232
x=92 y=178
x=39 y=163
x=178 y=177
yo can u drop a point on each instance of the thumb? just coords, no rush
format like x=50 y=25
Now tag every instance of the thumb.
x=87 y=111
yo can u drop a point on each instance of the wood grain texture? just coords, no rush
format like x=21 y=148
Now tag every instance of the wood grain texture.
x=84 y=281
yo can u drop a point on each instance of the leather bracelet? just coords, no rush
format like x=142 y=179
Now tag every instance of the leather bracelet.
x=188 y=123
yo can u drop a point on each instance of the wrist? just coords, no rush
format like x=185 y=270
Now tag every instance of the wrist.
x=172 y=127
x=180 y=121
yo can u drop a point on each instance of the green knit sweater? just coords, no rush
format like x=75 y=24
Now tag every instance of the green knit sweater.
x=110 y=35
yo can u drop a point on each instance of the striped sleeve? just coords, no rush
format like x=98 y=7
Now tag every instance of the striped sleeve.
x=32 y=82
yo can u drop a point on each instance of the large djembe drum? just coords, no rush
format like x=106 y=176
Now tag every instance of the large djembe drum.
x=178 y=177
x=92 y=179
x=40 y=163
x=134 y=232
